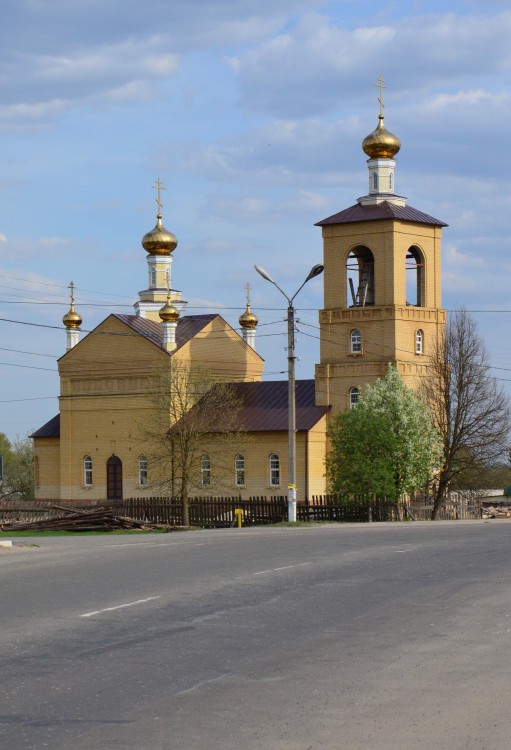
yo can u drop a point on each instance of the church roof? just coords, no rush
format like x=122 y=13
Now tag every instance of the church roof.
x=384 y=210
x=50 y=429
x=264 y=406
x=187 y=327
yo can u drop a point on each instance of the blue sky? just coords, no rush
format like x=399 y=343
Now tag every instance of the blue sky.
x=252 y=113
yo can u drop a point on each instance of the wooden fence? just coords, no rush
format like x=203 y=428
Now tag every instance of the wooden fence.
x=219 y=512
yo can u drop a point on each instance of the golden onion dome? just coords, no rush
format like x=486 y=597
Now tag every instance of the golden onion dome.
x=381 y=143
x=168 y=313
x=248 y=319
x=72 y=319
x=159 y=241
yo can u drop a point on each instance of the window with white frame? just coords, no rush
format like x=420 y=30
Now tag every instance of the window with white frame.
x=274 y=470
x=239 y=470
x=87 y=471
x=354 y=396
x=142 y=471
x=152 y=277
x=419 y=342
x=356 y=342
x=205 y=467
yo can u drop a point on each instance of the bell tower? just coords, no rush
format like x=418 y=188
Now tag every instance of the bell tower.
x=382 y=284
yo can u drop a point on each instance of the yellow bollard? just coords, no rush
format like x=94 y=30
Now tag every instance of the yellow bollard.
x=239 y=513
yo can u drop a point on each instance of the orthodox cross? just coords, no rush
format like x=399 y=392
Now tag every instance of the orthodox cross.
x=159 y=187
x=71 y=286
x=381 y=86
x=248 y=288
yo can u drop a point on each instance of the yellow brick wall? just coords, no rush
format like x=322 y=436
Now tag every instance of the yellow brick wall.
x=104 y=406
x=47 y=468
x=389 y=326
x=219 y=348
x=257 y=448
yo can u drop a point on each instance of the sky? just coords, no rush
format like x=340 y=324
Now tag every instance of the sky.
x=252 y=114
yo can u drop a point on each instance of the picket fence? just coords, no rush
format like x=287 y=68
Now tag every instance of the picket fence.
x=220 y=512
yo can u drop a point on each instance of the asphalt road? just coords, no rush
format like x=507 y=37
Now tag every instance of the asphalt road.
x=354 y=637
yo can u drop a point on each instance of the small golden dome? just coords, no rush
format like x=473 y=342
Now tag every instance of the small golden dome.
x=159 y=241
x=72 y=319
x=381 y=143
x=248 y=319
x=168 y=313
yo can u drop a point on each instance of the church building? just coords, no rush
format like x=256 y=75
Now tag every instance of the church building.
x=382 y=305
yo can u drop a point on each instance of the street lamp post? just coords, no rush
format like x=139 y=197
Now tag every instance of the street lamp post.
x=291 y=484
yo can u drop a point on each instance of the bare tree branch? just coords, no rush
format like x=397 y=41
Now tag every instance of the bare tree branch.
x=470 y=411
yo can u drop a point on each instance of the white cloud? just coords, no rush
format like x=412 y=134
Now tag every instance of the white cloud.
x=67 y=53
x=319 y=63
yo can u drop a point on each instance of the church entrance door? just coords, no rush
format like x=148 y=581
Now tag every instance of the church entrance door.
x=114 y=478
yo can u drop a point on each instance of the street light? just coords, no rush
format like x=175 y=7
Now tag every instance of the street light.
x=291 y=485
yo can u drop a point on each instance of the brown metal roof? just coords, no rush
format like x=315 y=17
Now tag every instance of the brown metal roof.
x=187 y=327
x=50 y=429
x=264 y=405
x=383 y=210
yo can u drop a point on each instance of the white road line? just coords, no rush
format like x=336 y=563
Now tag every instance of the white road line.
x=200 y=684
x=286 y=567
x=153 y=544
x=119 y=606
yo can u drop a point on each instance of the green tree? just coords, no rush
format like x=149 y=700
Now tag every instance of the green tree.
x=386 y=446
x=18 y=468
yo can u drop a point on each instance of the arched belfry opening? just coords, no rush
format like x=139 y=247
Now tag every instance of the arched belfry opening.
x=414 y=277
x=360 y=277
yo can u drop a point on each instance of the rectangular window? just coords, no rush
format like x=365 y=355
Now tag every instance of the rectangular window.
x=240 y=470
x=87 y=471
x=205 y=467
x=274 y=470
x=142 y=471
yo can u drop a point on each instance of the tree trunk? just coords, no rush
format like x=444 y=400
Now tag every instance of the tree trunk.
x=186 y=509
x=440 y=496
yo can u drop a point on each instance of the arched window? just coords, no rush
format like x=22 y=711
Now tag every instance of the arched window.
x=354 y=396
x=274 y=470
x=414 y=277
x=375 y=180
x=239 y=470
x=152 y=277
x=391 y=187
x=205 y=467
x=419 y=342
x=142 y=471
x=360 y=277
x=355 y=342
x=87 y=471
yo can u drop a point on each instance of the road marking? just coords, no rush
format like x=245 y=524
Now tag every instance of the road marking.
x=286 y=567
x=120 y=606
x=203 y=682
x=153 y=544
